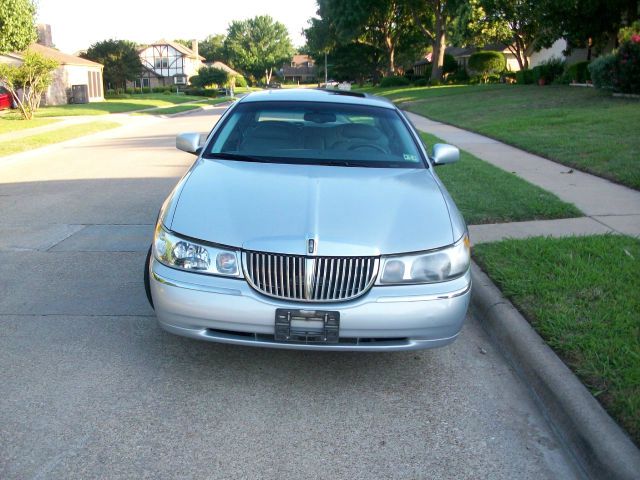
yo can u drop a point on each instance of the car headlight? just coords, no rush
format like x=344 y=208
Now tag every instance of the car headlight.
x=428 y=267
x=177 y=252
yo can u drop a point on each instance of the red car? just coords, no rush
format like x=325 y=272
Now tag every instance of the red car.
x=5 y=98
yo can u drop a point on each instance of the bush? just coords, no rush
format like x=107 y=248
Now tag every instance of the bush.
x=113 y=95
x=421 y=81
x=602 y=71
x=576 y=73
x=460 y=76
x=627 y=67
x=487 y=62
x=524 y=77
x=450 y=64
x=548 y=71
x=394 y=81
x=241 y=81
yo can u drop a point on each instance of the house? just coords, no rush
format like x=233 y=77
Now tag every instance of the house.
x=168 y=63
x=75 y=78
x=462 y=54
x=301 y=69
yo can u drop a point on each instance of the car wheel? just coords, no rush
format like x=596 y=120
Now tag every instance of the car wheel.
x=147 y=280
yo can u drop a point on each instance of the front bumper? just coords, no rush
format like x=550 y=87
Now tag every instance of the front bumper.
x=386 y=318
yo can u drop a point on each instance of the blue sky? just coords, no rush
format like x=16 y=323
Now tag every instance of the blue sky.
x=76 y=24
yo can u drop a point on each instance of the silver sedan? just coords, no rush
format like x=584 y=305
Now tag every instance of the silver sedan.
x=311 y=219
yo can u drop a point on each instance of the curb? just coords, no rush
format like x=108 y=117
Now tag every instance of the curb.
x=600 y=447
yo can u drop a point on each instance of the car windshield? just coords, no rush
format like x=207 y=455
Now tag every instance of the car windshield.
x=316 y=133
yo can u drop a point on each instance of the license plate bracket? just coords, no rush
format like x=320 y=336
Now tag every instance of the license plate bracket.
x=307 y=326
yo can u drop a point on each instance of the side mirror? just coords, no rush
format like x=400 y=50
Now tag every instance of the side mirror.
x=443 y=154
x=189 y=142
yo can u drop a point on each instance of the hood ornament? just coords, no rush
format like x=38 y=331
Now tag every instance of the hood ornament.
x=311 y=246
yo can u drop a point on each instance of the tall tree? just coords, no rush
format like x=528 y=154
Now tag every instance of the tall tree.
x=120 y=59
x=586 y=23
x=516 y=23
x=17 y=25
x=379 y=23
x=432 y=16
x=258 y=45
x=212 y=48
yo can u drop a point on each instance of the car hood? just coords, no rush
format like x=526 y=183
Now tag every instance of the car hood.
x=348 y=211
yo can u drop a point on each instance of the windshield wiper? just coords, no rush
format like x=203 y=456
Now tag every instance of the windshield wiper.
x=238 y=157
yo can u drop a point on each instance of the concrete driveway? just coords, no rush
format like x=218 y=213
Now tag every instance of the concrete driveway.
x=90 y=387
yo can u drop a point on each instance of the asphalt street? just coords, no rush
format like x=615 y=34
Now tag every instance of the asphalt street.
x=90 y=387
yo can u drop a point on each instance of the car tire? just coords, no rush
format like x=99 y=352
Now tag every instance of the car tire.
x=147 y=280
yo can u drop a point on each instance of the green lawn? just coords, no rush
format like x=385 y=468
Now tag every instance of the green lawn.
x=12 y=123
x=581 y=295
x=120 y=105
x=54 y=136
x=169 y=110
x=579 y=127
x=487 y=194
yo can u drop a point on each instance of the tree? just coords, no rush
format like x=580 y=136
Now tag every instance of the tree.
x=516 y=23
x=585 y=23
x=32 y=77
x=120 y=59
x=433 y=17
x=486 y=63
x=209 y=76
x=17 y=25
x=212 y=48
x=382 y=24
x=257 y=45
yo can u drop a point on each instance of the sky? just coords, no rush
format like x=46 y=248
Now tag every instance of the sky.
x=76 y=24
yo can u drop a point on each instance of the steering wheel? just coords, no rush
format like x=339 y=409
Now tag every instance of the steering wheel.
x=371 y=146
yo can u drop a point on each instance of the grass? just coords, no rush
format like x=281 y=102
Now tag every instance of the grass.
x=487 y=194
x=10 y=123
x=120 y=105
x=54 y=136
x=169 y=110
x=579 y=127
x=581 y=295
x=186 y=107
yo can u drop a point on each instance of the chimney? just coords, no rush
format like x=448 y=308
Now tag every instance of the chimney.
x=44 y=35
x=194 y=46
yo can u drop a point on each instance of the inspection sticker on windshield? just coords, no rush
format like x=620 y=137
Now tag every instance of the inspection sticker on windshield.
x=409 y=157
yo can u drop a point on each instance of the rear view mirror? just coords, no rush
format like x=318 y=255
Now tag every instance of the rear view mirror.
x=188 y=142
x=443 y=154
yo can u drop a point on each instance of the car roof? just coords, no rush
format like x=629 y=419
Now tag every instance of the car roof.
x=317 y=95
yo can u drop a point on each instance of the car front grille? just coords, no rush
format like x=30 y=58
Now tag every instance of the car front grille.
x=310 y=279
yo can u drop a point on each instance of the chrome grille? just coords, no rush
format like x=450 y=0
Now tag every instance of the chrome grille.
x=309 y=279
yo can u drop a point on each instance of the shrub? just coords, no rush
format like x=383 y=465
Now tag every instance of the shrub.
x=576 y=72
x=548 y=71
x=450 y=64
x=421 y=82
x=394 y=81
x=241 y=81
x=524 y=77
x=626 y=34
x=114 y=95
x=627 y=67
x=460 y=76
x=602 y=71
x=486 y=63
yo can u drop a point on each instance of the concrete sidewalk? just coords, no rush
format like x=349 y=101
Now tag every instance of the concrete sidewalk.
x=611 y=207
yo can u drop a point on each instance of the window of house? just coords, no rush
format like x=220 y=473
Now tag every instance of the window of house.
x=161 y=62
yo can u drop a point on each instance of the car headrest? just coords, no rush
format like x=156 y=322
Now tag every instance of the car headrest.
x=273 y=129
x=358 y=130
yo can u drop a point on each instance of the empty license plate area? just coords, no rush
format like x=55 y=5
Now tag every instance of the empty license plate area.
x=307 y=326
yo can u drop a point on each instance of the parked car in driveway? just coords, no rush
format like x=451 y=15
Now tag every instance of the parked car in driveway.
x=6 y=100
x=312 y=219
